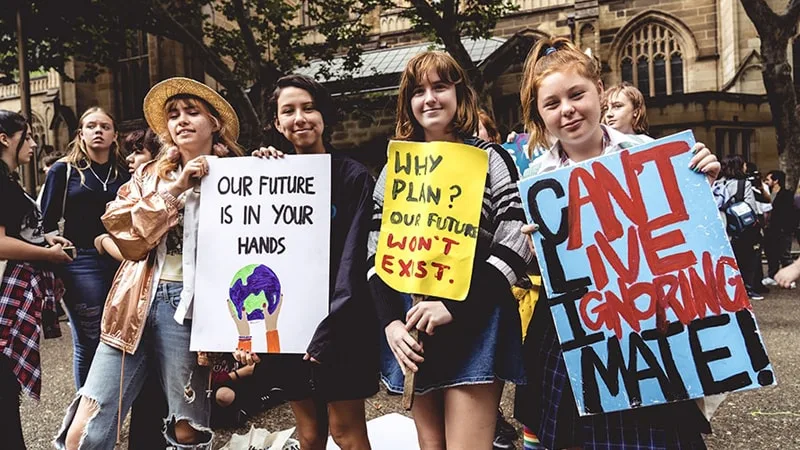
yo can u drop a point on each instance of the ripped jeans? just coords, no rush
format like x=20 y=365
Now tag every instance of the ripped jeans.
x=164 y=348
x=87 y=280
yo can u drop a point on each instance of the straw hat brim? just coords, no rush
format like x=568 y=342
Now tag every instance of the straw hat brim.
x=154 y=102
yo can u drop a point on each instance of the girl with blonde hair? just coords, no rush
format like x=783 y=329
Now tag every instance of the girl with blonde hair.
x=75 y=195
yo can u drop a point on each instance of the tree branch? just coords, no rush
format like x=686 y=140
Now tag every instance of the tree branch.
x=215 y=66
x=762 y=16
x=427 y=13
x=243 y=19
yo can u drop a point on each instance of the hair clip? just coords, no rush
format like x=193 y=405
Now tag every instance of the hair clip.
x=549 y=51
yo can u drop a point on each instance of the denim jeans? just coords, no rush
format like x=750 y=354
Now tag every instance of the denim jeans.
x=10 y=419
x=87 y=280
x=164 y=350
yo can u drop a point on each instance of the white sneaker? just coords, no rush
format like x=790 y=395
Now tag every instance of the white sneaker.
x=769 y=282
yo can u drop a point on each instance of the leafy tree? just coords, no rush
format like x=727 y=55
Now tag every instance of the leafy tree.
x=776 y=31
x=265 y=39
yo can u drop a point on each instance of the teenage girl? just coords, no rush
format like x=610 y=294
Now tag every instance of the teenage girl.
x=561 y=95
x=469 y=347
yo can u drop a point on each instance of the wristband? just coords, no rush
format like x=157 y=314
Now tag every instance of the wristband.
x=273 y=342
x=236 y=374
x=245 y=343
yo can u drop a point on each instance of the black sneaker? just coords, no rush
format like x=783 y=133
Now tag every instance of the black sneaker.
x=504 y=430
x=502 y=442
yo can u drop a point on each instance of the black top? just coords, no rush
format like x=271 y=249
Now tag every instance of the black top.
x=19 y=214
x=86 y=200
x=349 y=334
x=784 y=215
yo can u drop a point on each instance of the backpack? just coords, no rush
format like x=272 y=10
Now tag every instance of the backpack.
x=739 y=216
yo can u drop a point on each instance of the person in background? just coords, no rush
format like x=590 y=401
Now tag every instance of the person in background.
x=75 y=195
x=624 y=110
x=763 y=207
x=781 y=224
x=744 y=243
x=487 y=129
x=141 y=146
x=29 y=289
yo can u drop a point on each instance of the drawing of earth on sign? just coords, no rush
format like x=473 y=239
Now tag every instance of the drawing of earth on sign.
x=254 y=295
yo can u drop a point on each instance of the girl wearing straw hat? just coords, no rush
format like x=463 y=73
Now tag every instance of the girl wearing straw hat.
x=145 y=325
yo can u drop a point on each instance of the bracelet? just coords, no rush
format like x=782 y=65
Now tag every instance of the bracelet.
x=236 y=373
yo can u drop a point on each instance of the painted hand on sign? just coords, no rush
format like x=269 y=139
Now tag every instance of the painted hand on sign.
x=643 y=287
x=431 y=211
x=255 y=295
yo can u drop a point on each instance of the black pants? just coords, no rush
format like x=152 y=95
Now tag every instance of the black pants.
x=778 y=249
x=10 y=422
x=744 y=249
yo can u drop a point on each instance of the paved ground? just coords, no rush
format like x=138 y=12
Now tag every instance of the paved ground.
x=763 y=419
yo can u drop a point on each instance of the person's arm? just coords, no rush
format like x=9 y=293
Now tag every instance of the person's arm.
x=53 y=197
x=350 y=282
x=388 y=302
x=509 y=252
x=104 y=244
x=15 y=249
x=788 y=274
x=137 y=220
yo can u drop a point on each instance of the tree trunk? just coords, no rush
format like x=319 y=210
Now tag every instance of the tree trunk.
x=777 y=74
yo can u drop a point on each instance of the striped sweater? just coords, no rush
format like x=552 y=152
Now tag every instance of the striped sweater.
x=502 y=253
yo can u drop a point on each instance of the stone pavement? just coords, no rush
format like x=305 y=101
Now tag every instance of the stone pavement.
x=767 y=418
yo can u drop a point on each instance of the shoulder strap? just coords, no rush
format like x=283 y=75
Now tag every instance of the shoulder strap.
x=739 y=197
x=66 y=189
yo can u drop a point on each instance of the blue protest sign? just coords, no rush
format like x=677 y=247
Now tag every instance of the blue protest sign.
x=642 y=283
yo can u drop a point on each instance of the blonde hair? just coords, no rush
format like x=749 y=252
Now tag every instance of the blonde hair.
x=224 y=135
x=633 y=94
x=465 y=121
x=547 y=57
x=78 y=156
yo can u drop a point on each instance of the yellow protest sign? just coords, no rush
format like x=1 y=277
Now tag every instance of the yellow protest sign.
x=431 y=213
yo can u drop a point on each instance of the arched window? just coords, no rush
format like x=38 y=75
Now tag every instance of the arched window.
x=658 y=58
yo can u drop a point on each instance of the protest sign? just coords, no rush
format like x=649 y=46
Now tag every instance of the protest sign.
x=642 y=283
x=431 y=213
x=263 y=250
x=517 y=150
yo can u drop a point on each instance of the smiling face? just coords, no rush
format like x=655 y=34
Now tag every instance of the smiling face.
x=98 y=132
x=299 y=120
x=620 y=113
x=191 y=127
x=434 y=103
x=569 y=105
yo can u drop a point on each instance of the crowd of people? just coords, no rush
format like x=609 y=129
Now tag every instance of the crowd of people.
x=115 y=237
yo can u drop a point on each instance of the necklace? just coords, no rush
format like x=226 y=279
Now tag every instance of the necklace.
x=104 y=183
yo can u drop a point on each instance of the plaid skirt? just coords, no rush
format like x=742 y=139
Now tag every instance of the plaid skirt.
x=547 y=406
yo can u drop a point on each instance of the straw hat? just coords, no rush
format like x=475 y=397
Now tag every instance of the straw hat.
x=155 y=100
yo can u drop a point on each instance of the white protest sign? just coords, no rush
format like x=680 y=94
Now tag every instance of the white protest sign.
x=263 y=251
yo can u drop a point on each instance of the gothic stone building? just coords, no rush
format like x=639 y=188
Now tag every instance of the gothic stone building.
x=697 y=62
